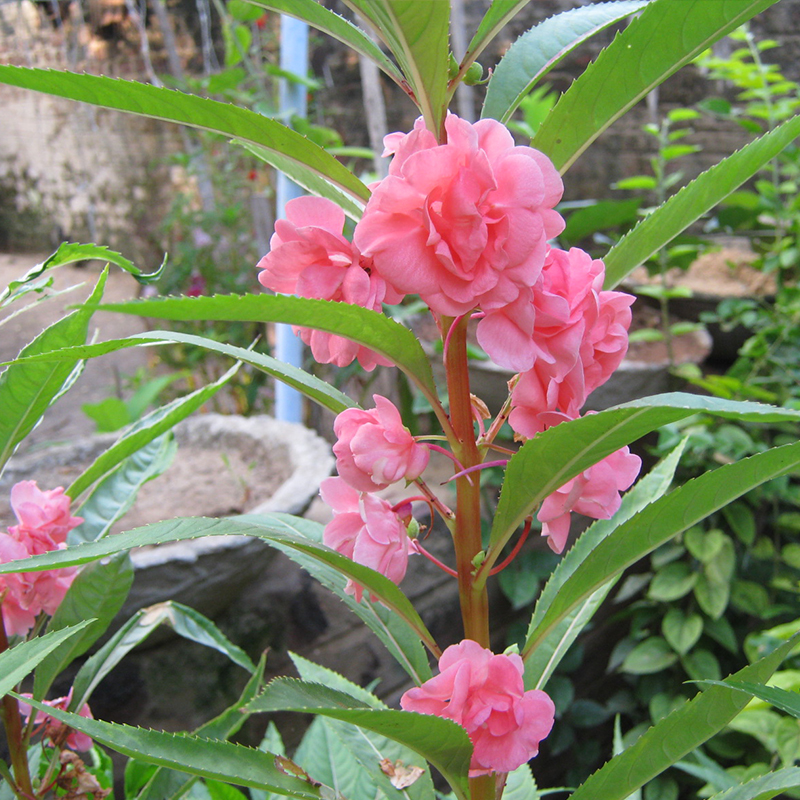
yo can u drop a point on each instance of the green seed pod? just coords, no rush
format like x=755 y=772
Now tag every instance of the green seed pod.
x=474 y=74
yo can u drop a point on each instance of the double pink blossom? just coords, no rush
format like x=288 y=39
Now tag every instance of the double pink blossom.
x=485 y=694
x=374 y=448
x=44 y=522
x=44 y=517
x=461 y=224
x=578 y=337
x=594 y=493
x=53 y=730
x=310 y=257
x=365 y=529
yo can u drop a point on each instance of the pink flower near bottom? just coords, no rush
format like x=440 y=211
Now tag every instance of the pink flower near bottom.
x=365 y=529
x=485 y=694
x=52 y=729
x=594 y=493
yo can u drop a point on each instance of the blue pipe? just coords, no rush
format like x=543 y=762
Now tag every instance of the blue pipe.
x=291 y=100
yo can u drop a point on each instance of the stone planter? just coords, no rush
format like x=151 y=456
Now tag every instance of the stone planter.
x=225 y=465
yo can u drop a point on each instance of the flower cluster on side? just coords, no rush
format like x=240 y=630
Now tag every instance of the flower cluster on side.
x=484 y=693
x=373 y=449
x=44 y=522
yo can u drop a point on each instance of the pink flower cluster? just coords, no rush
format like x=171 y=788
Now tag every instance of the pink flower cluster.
x=44 y=522
x=53 y=730
x=484 y=693
x=373 y=449
x=310 y=257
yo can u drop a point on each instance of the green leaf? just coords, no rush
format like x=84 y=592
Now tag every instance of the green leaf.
x=203 y=757
x=681 y=631
x=600 y=216
x=300 y=158
x=658 y=523
x=658 y=229
x=280 y=530
x=763 y=787
x=373 y=330
x=665 y=37
x=111 y=499
x=674 y=736
x=780 y=698
x=338 y=27
x=535 y=52
x=143 y=432
x=712 y=596
x=71 y=252
x=548 y=654
x=520 y=785
x=98 y=591
x=418 y=36
x=312 y=387
x=185 y=622
x=549 y=460
x=498 y=14
x=368 y=748
x=443 y=743
x=651 y=655
x=27 y=390
x=17 y=662
x=672 y=582
x=702 y=544
x=323 y=756
x=159 y=782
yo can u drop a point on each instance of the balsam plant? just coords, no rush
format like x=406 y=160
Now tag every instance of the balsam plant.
x=463 y=221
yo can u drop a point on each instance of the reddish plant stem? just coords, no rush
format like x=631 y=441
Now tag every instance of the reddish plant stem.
x=467 y=528
x=418 y=548
x=12 y=721
x=517 y=547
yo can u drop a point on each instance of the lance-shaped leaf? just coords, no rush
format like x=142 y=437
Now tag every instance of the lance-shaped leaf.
x=27 y=390
x=536 y=52
x=17 y=662
x=658 y=523
x=674 y=736
x=696 y=198
x=780 y=698
x=144 y=431
x=400 y=639
x=162 y=782
x=312 y=387
x=550 y=650
x=443 y=743
x=373 y=330
x=270 y=527
x=418 y=36
x=764 y=787
x=205 y=758
x=111 y=499
x=498 y=14
x=370 y=750
x=665 y=37
x=71 y=252
x=98 y=591
x=558 y=454
x=300 y=158
x=319 y=17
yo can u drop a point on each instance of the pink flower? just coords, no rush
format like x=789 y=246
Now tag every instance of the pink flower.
x=28 y=594
x=462 y=224
x=309 y=257
x=484 y=693
x=594 y=493
x=374 y=448
x=44 y=518
x=365 y=529
x=579 y=337
x=44 y=522
x=52 y=729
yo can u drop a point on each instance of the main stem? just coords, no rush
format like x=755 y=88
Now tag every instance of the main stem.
x=467 y=529
x=9 y=712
